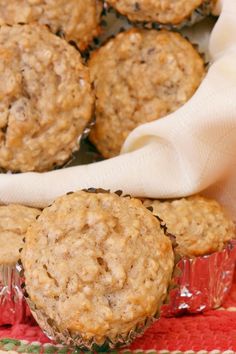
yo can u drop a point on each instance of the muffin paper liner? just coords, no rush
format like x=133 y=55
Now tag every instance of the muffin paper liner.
x=65 y=337
x=197 y=15
x=72 y=340
x=201 y=283
x=51 y=330
x=13 y=307
x=201 y=12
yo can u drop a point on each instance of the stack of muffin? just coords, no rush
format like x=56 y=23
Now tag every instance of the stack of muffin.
x=97 y=265
x=49 y=94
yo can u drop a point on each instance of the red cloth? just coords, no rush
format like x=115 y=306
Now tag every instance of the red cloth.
x=212 y=330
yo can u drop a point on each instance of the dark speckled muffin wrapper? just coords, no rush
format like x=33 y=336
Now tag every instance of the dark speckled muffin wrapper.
x=80 y=140
x=13 y=307
x=201 y=283
x=196 y=16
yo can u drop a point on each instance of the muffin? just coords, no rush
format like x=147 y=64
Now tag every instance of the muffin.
x=163 y=12
x=45 y=99
x=14 y=221
x=76 y=20
x=140 y=76
x=206 y=253
x=201 y=225
x=97 y=267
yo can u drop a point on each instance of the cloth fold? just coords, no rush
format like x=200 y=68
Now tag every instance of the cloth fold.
x=189 y=151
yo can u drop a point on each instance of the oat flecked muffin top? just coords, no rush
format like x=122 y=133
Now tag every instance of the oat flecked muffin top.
x=45 y=99
x=97 y=264
x=76 y=20
x=140 y=76
x=200 y=225
x=162 y=11
x=14 y=222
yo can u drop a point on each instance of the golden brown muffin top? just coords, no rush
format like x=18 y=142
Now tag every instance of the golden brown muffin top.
x=76 y=20
x=162 y=11
x=97 y=264
x=201 y=225
x=14 y=222
x=140 y=76
x=45 y=99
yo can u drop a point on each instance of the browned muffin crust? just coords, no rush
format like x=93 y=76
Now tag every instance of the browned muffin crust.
x=140 y=76
x=14 y=222
x=162 y=11
x=76 y=20
x=45 y=99
x=97 y=264
x=201 y=225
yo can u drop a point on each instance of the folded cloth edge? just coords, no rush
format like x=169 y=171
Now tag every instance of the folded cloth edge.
x=182 y=154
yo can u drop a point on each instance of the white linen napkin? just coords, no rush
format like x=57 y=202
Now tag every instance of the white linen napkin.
x=192 y=150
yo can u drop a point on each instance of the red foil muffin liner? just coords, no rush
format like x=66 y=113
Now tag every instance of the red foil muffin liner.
x=13 y=307
x=201 y=283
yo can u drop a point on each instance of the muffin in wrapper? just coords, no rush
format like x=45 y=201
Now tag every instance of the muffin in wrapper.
x=145 y=13
x=108 y=288
x=51 y=330
x=14 y=221
x=205 y=253
x=196 y=16
x=47 y=111
x=145 y=96
x=13 y=308
x=201 y=283
x=76 y=21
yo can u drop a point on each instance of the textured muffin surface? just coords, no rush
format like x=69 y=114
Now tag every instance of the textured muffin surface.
x=162 y=11
x=14 y=222
x=97 y=264
x=200 y=225
x=76 y=20
x=140 y=76
x=45 y=99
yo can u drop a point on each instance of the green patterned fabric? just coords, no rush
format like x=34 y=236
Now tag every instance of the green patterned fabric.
x=13 y=345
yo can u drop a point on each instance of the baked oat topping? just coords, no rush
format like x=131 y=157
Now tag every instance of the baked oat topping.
x=162 y=11
x=97 y=264
x=76 y=20
x=201 y=225
x=14 y=222
x=45 y=99
x=140 y=76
